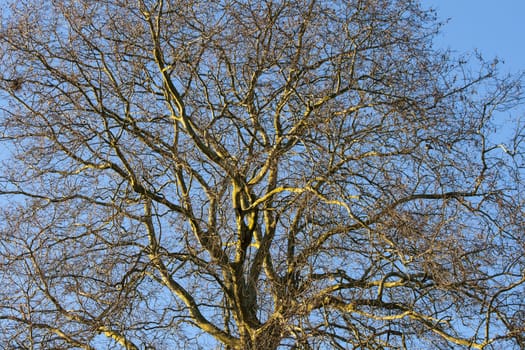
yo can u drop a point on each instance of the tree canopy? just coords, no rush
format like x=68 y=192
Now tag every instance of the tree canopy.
x=268 y=174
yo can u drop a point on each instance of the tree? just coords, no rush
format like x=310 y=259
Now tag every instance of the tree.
x=254 y=175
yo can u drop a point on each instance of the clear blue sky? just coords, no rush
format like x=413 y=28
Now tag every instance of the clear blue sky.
x=495 y=28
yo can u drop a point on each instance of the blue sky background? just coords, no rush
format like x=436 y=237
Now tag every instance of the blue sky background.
x=495 y=28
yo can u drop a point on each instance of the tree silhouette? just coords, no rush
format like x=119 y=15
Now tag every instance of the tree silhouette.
x=254 y=175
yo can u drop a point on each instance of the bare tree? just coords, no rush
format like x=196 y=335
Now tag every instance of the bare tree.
x=254 y=175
